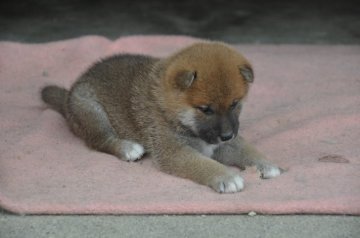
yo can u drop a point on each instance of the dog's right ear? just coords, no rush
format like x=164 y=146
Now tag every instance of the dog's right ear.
x=185 y=79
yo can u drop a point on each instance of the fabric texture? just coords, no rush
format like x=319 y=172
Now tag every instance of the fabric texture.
x=303 y=112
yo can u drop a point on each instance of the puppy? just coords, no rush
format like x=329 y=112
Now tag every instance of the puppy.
x=183 y=110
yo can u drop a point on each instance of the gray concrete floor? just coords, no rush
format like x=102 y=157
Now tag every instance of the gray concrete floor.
x=254 y=22
x=179 y=226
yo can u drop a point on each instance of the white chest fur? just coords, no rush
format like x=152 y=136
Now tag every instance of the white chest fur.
x=208 y=149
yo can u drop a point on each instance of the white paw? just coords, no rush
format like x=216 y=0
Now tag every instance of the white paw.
x=228 y=184
x=269 y=171
x=131 y=150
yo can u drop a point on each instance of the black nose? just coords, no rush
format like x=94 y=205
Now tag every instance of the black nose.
x=227 y=136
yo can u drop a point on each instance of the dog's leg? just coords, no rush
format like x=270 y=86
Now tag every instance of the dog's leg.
x=183 y=161
x=241 y=154
x=88 y=119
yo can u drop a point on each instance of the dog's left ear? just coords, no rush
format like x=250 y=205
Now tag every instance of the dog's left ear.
x=247 y=72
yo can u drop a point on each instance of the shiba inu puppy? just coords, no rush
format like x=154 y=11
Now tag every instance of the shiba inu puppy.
x=183 y=110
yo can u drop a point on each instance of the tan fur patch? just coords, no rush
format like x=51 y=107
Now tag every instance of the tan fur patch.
x=218 y=79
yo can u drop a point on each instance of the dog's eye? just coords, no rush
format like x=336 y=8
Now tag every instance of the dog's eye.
x=205 y=109
x=234 y=104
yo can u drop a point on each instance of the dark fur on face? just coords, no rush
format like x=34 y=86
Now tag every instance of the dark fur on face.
x=215 y=127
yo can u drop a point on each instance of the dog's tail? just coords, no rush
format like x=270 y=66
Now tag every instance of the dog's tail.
x=55 y=97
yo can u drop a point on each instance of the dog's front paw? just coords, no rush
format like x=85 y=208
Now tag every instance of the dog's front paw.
x=269 y=171
x=131 y=151
x=227 y=183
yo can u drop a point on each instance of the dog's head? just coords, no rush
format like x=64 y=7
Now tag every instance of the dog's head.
x=205 y=86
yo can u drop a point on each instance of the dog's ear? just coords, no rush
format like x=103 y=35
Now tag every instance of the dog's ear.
x=185 y=79
x=247 y=72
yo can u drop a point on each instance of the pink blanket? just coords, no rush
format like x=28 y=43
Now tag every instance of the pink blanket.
x=303 y=112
